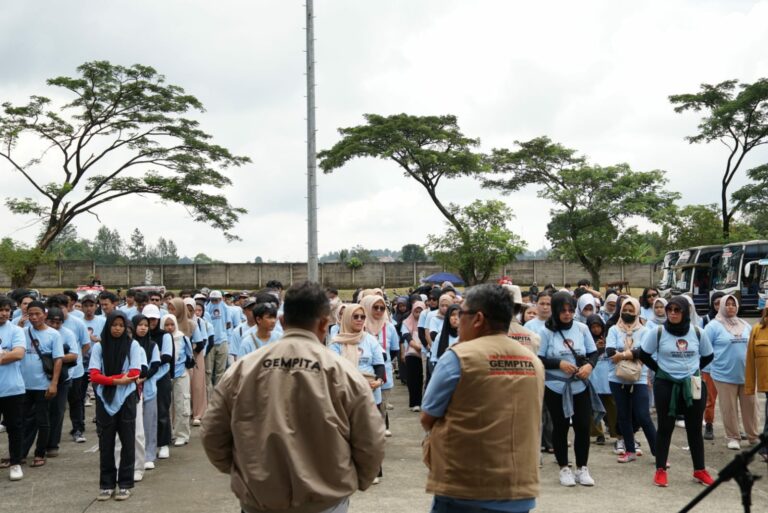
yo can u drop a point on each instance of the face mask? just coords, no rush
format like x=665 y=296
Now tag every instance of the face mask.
x=628 y=318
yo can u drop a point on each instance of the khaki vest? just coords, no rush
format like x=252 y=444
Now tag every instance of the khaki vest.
x=486 y=447
x=528 y=338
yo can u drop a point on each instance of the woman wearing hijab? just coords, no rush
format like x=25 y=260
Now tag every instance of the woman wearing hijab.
x=609 y=308
x=413 y=365
x=631 y=396
x=659 y=314
x=586 y=306
x=114 y=368
x=148 y=382
x=729 y=336
x=197 y=383
x=680 y=349
x=377 y=325
x=449 y=334
x=182 y=348
x=434 y=328
x=357 y=346
x=757 y=366
x=599 y=380
x=706 y=375
x=163 y=379
x=569 y=354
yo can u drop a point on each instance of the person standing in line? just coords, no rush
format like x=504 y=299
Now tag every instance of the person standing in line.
x=600 y=382
x=378 y=326
x=263 y=332
x=681 y=349
x=12 y=392
x=94 y=325
x=517 y=331
x=115 y=367
x=756 y=375
x=182 y=349
x=729 y=336
x=217 y=354
x=646 y=303
x=75 y=396
x=198 y=393
x=148 y=397
x=481 y=410
x=414 y=368
x=163 y=380
x=706 y=375
x=40 y=388
x=304 y=394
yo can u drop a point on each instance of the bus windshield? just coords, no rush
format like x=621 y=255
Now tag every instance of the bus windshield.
x=683 y=278
x=727 y=274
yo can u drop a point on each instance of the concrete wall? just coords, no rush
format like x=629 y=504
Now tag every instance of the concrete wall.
x=254 y=276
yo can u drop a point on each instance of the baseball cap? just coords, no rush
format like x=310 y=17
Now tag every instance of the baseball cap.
x=245 y=293
x=515 y=293
x=215 y=294
x=89 y=298
x=251 y=301
x=199 y=297
x=151 y=312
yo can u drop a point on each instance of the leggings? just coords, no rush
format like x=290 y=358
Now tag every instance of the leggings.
x=414 y=379
x=582 y=420
x=694 y=414
x=164 y=400
x=632 y=403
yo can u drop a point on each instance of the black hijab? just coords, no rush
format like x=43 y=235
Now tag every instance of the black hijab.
x=114 y=351
x=447 y=330
x=146 y=341
x=596 y=319
x=712 y=312
x=559 y=300
x=157 y=335
x=681 y=328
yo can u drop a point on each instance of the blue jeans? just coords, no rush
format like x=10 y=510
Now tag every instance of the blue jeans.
x=632 y=403
x=442 y=505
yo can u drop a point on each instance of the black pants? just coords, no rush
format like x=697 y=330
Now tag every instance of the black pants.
x=414 y=379
x=12 y=411
x=37 y=423
x=694 y=414
x=546 y=429
x=77 y=405
x=164 y=399
x=582 y=420
x=56 y=409
x=122 y=424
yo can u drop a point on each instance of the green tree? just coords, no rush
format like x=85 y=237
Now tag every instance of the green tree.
x=735 y=114
x=413 y=253
x=701 y=225
x=108 y=247
x=15 y=259
x=364 y=255
x=138 y=249
x=483 y=246
x=202 y=258
x=69 y=246
x=124 y=133
x=427 y=149
x=593 y=203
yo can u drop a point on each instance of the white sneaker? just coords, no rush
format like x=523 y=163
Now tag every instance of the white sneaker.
x=734 y=445
x=2 y=428
x=180 y=442
x=566 y=477
x=618 y=447
x=164 y=453
x=376 y=480
x=416 y=408
x=138 y=476
x=638 y=450
x=149 y=465
x=387 y=433
x=680 y=423
x=197 y=423
x=87 y=402
x=390 y=406
x=16 y=473
x=583 y=477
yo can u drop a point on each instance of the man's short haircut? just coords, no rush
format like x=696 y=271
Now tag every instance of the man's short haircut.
x=6 y=302
x=274 y=284
x=36 y=304
x=584 y=282
x=264 y=309
x=57 y=301
x=494 y=301
x=579 y=291
x=109 y=296
x=305 y=304
x=332 y=290
x=267 y=297
x=54 y=313
x=130 y=293
x=155 y=293
x=141 y=297
x=171 y=295
x=435 y=294
x=71 y=294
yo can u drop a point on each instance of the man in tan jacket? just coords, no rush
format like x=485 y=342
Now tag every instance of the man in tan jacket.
x=482 y=411
x=294 y=424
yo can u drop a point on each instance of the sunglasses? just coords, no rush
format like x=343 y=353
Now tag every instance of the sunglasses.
x=674 y=309
x=379 y=308
x=358 y=317
x=567 y=310
x=652 y=295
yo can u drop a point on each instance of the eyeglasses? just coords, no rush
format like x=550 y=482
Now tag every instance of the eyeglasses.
x=467 y=312
x=154 y=299
x=358 y=317
x=379 y=308
x=674 y=309
x=652 y=295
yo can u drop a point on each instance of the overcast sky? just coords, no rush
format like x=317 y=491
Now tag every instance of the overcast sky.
x=593 y=75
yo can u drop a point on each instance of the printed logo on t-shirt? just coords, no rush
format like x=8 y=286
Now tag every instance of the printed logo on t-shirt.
x=216 y=313
x=568 y=343
x=682 y=344
x=682 y=349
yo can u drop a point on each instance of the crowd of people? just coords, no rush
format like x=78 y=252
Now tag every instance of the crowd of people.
x=606 y=362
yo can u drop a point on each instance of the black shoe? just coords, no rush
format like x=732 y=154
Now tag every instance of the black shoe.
x=709 y=431
x=600 y=440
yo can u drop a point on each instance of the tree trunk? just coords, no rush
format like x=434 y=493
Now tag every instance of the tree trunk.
x=726 y=217
x=24 y=280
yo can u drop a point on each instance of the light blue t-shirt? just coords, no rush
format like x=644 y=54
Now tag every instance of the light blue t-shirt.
x=150 y=385
x=80 y=331
x=32 y=367
x=129 y=311
x=424 y=319
x=678 y=356
x=730 y=360
x=251 y=342
x=132 y=361
x=11 y=380
x=77 y=313
x=616 y=340
x=437 y=397
x=370 y=355
x=166 y=348
x=68 y=338
x=236 y=338
x=386 y=344
x=536 y=325
x=553 y=345
x=646 y=313
x=219 y=313
x=94 y=327
x=183 y=351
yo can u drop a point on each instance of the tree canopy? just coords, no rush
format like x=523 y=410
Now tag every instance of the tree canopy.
x=125 y=132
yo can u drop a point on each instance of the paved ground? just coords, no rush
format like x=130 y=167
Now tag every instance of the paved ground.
x=187 y=483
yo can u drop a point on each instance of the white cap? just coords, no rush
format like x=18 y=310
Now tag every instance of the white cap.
x=215 y=294
x=515 y=293
x=199 y=296
x=151 y=312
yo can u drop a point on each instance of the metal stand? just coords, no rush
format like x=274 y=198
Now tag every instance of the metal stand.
x=738 y=470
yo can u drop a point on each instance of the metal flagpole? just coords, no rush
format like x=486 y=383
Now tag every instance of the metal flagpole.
x=312 y=266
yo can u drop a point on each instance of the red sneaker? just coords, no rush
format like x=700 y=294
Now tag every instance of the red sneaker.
x=660 y=479
x=703 y=477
